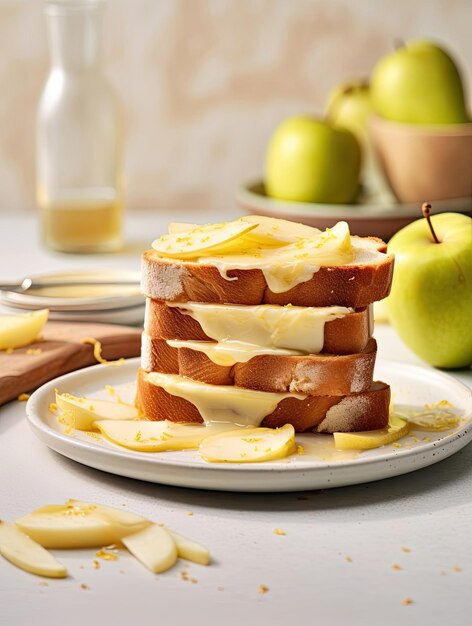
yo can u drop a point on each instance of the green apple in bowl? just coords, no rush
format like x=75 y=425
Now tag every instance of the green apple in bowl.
x=419 y=83
x=430 y=304
x=349 y=105
x=310 y=160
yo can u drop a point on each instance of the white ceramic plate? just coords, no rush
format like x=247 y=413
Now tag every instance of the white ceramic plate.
x=411 y=385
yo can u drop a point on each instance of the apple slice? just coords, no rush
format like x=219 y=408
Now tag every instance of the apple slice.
x=116 y=516
x=189 y=549
x=331 y=247
x=253 y=445
x=269 y=232
x=153 y=547
x=21 y=330
x=148 y=436
x=367 y=439
x=274 y=232
x=339 y=237
x=82 y=413
x=28 y=555
x=204 y=240
x=78 y=525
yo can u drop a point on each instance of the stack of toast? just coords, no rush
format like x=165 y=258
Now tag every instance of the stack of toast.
x=267 y=323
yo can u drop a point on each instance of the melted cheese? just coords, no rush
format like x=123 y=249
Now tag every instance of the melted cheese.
x=222 y=403
x=295 y=328
x=228 y=353
x=287 y=267
x=281 y=274
x=292 y=264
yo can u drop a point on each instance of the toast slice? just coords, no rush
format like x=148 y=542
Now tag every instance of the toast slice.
x=357 y=284
x=345 y=335
x=368 y=410
x=313 y=374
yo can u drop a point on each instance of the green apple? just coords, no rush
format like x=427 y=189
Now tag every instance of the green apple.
x=310 y=160
x=430 y=304
x=419 y=83
x=349 y=106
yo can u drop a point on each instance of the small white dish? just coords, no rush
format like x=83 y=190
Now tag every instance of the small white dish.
x=411 y=385
x=121 y=304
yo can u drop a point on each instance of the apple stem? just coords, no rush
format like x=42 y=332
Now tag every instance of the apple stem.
x=426 y=208
x=398 y=43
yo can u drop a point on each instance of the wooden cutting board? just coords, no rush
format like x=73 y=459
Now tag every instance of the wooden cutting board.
x=61 y=350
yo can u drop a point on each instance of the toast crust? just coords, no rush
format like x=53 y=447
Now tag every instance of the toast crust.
x=368 y=410
x=314 y=374
x=353 y=286
x=345 y=335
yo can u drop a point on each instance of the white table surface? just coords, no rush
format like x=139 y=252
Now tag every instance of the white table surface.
x=308 y=573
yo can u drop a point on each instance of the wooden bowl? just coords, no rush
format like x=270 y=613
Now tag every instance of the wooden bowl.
x=424 y=163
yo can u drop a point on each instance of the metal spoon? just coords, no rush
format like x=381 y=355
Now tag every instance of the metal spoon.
x=29 y=283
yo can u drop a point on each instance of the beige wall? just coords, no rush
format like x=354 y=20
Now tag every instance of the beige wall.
x=205 y=81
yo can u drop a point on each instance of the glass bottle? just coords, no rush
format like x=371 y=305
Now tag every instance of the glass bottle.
x=80 y=182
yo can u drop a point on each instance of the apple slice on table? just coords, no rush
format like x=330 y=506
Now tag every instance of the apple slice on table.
x=17 y=331
x=153 y=547
x=189 y=549
x=368 y=439
x=430 y=304
x=253 y=445
x=78 y=525
x=149 y=436
x=224 y=238
x=122 y=518
x=82 y=413
x=28 y=555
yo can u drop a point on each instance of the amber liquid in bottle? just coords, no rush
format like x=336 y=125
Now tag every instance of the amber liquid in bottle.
x=82 y=225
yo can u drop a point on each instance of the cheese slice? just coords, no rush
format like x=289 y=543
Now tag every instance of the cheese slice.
x=266 y=325
x=227 y=353
x=222 y=403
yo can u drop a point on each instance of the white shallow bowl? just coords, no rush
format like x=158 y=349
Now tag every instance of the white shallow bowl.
x=411 y=385
x=370 y=217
